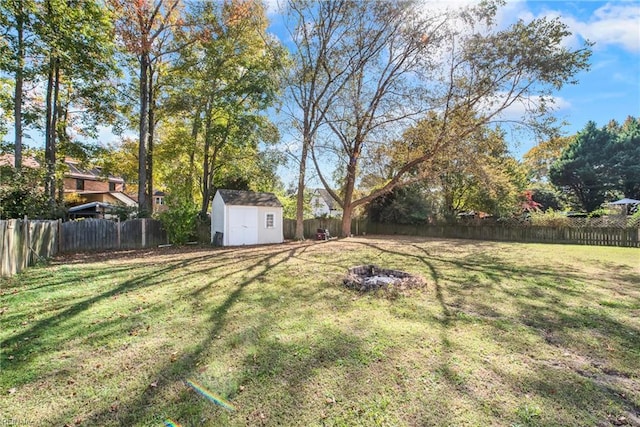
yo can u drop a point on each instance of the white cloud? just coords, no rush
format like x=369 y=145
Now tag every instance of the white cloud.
x=522 y=106
x=273 y=7
x=614 y=24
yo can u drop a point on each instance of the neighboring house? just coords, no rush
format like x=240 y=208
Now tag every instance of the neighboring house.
x=83 y=186
x=245 y=218
x=323 y=205
x=158 y=202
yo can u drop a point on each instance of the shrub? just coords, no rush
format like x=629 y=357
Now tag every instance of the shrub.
x=550 y=218
x=180 y=222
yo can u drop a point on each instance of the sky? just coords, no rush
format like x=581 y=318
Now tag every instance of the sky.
x=610 y=89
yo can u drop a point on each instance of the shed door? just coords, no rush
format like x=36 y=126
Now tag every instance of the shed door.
x=243 y=226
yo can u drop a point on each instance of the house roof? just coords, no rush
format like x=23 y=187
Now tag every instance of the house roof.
x=249 y=198
x=330 y=201
x=10 y=160
x=75 y=171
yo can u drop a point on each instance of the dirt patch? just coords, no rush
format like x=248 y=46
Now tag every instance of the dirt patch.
x=366 y=278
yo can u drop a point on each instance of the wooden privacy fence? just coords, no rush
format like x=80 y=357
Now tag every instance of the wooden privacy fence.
x=103 y=234
x=334 y=225
x=597 y=236
x=23 y=242
x=600 y=236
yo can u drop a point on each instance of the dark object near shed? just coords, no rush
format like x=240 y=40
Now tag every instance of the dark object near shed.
x=322 y=234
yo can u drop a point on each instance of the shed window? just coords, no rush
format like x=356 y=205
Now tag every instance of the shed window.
x=112 y=186
x=270 y=220
x=79 y=184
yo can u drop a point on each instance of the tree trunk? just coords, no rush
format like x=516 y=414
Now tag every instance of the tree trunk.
x=53 y=79
x=205 y=163
x=152 y=127
x=300 y=196
x=144 y=135
x=18 y=89
x=192 y=152
x=348 y=196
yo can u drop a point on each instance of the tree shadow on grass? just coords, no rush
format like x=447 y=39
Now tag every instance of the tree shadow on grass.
x=539 y=312
x=174 y=373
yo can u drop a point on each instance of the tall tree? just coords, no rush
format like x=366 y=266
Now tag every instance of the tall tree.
x=539 y=159
x=459 y=67
x=229 y=76
x=625 y=158
x=319 y=73
x=16 y=19
x=145 y=27
x=78 y=38
x=582 y=169
x=600 y=164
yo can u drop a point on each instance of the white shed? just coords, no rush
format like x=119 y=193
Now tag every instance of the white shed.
x=245 y=218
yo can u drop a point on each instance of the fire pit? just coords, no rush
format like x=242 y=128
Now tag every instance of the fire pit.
x=371 y=278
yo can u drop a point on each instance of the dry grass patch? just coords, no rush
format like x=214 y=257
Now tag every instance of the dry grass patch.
x=502 y=334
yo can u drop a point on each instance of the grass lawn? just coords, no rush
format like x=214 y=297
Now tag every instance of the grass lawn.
x=503 y=334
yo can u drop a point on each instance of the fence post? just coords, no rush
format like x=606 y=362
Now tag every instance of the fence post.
x=118 y=232
x=144 y=232
x=60 y=246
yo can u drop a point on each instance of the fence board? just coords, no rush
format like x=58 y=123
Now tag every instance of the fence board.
x=23 y=243
x=103 y=234
x=600 y=236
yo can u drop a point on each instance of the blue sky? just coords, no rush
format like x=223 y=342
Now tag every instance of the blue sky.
x=610 y=89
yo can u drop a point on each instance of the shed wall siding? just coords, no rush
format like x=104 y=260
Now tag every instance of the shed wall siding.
x=218 y=214
x=221 y=213
x=270 y=235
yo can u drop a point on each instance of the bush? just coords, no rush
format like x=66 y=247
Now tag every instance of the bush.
x=550 y=218
x=180 y=222
x=22 y=195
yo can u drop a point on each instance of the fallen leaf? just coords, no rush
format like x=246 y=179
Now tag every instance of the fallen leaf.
x=12 y=390
x=154 y=384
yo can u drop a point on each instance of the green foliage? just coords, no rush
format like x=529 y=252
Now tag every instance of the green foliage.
x=22 y=194
x=179 y=220
x=405 y=205
x=634 y=220
x=549 y=218
x=547 y=197
x=124 y=212
x=539 y=159
x=601 y=164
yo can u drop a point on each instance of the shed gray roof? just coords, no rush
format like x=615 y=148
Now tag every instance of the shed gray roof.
x=249 y=198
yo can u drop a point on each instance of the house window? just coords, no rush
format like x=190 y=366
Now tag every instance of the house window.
x=79 y=184
x=270 y=220
x=159 y=200
x=112 y=186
